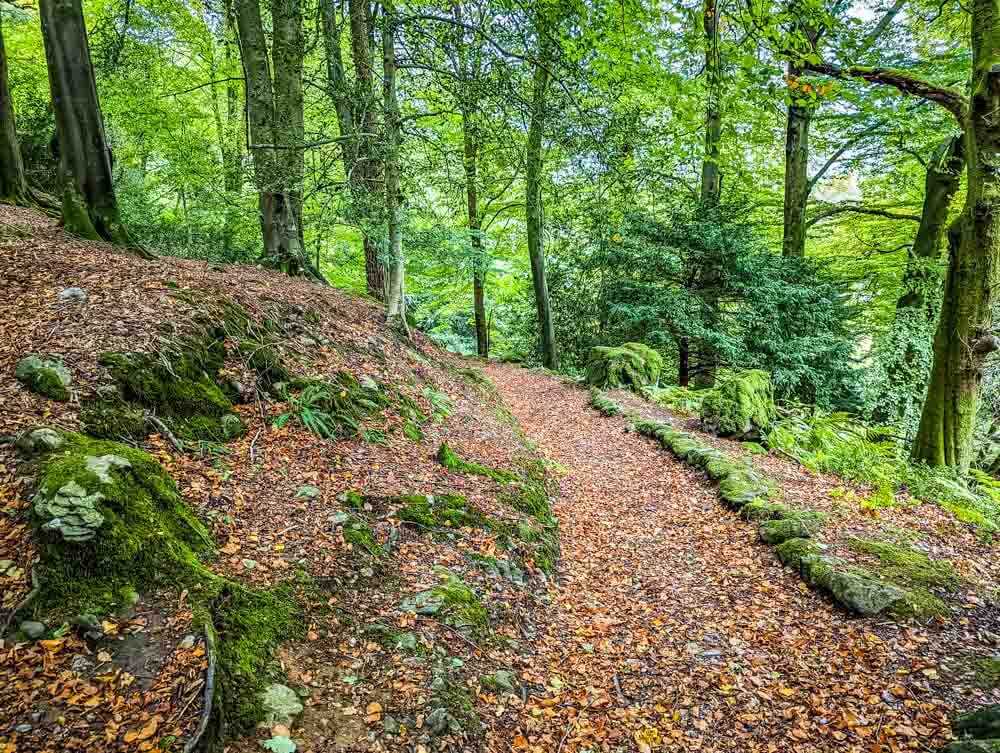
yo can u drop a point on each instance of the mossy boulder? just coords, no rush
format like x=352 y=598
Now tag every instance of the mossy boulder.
x=632 y=365
x=741 y=486
x=179 y=386
x=110 y=521
x=741 y=405
x=452 y=601
x=438 y=511
x=48 y=377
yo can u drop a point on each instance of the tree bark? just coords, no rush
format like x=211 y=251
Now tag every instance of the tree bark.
x=964 y=335
x=287 y=51
x=396 y=294
x=533 y=198
x=13 y=183
x=368 y=167
x=711 y=176
x=275 y=171
x=796 y=176
x=89 y=205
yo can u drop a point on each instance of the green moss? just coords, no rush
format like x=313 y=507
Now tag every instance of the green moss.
x=741 y=404
x=988 y=672
x=603 y=404
x=632 y=365
x=907 y=565
x=147 y=536
x=360 y=535
x=454 y=462
x=249 y=626
x=412 y=431
x=439 y=511
x=460 y=605
x=265 y=360
x=113 y=419
x=793 y=552
x=45 y=377
x=543 y=541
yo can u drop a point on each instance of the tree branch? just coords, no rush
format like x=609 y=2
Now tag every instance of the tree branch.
x=885 y=212
x=950 y=99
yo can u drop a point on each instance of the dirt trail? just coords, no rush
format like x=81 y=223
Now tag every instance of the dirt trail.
x=671 y=628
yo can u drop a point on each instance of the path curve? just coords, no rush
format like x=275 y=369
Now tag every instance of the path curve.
x=672 y=628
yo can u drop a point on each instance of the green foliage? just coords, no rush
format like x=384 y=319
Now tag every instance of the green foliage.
x=632 y=365
x=453 y=462
x=741 y=404
x=331 y=409
x=460 y=605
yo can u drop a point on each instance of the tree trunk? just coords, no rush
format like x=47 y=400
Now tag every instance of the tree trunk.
x=796 y=176
x=470 y=139
x=274 y=168
x=228 y=125
x=711 y=177
x=396 y=294
x=683 y=362
x=13 y=184
x=964 y=338
x=907 y=364
x=368 y=167
x=287 y=51
x=533 y=199
x=89 y=205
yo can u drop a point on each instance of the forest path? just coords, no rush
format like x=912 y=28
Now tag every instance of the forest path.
x=671 y=628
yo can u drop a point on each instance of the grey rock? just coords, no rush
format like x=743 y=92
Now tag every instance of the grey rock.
x=424 y=602
x=80 y=664
x=23 y=728
x=776 y=532
x=280 y=704
x=187 y=642
x=46 y=376
x=77 y=295
x=32 y=630
x=38 y=441
x=101 y=466
x=501 y=680
x=249 y=564
x=307 y=492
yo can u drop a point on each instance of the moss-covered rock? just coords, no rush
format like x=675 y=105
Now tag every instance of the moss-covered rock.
x=906 y=564
x=110 y=521
x=438 y=511
x=632 y=365
x=44 y=376
x=265 y=360
x=988 y=672
x=740 y=405
x=792 y=552
x=603 y=405
x=742 y=486
x=775 y=532
x=453 y=602
x=113 y=419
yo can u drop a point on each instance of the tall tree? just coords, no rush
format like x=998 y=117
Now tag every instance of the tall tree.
x=89 y=205
x=711 y=175
x=13 y=184
x=533 y=190
x=396 y=292
x=274 y=113
x=964 y=336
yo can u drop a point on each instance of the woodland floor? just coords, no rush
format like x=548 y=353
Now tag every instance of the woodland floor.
x=666 y=625
x=674 y=627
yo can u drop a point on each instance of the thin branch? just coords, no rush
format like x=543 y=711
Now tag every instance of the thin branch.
x=885 y=212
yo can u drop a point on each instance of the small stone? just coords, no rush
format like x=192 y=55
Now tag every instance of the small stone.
x=280 y=704
x=77 y=295
x=187 y=642
x=367 y=572
x=38 y=441
x=249 y=564
x=23 y=728
x=80 y=664
x=32 y=630
x=307 y=492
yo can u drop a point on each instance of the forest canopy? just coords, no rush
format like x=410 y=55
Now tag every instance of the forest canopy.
x=746 y=185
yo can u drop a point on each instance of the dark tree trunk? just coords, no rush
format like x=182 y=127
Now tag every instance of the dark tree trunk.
x=797 y=186
x=964 y=336
x=907 y=363
x=683 y=362
x=89 y=205
x=276 y=173
x=13 y=184
x=533 y=200
x=369 y=167
x=711 y=176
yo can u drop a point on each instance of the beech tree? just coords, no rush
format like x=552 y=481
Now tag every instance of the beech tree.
x=13 y=184
x=275 y=118
x=534 y=161
x=396 y=291
x=89 y=205
x=964 y=336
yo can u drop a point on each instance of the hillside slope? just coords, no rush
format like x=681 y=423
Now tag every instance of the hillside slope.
x=371 y=533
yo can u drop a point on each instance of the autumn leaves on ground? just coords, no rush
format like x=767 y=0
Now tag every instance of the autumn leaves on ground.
x=374 y=561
